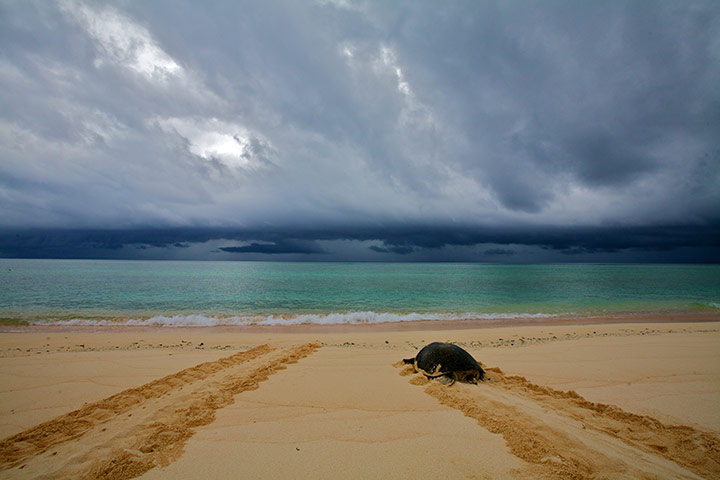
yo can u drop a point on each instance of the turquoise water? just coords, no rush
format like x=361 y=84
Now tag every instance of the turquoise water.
x=206 y=293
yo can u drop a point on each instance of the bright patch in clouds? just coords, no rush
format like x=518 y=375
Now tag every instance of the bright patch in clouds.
x=387 y=56
x=231 y=144
x=123 y=42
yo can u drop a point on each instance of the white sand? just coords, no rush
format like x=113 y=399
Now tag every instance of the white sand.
x=343 y=409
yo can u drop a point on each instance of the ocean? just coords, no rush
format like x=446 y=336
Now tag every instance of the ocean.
x=193 y=293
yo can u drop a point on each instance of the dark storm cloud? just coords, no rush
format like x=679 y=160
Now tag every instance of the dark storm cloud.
x=499 y=251
x=396 y=242
x=412 y=128
x=594 y=94
x=283 y=247
x=588 y=239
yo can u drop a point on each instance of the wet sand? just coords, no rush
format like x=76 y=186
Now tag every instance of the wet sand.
x=597 y=400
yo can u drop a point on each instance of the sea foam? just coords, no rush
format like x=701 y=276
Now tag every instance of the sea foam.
x=340 y=318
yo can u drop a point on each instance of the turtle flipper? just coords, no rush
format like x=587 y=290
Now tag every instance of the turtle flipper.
x=446 y=379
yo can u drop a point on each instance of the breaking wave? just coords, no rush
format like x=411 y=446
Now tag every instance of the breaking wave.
x=347 y=318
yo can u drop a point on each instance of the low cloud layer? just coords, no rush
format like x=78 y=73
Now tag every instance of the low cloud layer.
x=421 y=243
x=403 y=130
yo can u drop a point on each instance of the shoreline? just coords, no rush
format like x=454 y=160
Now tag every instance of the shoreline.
x=398 y=326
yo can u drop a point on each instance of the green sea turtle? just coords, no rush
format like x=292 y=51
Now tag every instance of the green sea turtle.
x=446 y=363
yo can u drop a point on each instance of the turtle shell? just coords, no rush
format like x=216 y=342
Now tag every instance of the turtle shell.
x=438 y=359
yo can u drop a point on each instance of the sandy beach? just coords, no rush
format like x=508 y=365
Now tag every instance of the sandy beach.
x=608 y=400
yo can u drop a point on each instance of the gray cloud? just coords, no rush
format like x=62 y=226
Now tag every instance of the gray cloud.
x=361 y=116
x=396 y=249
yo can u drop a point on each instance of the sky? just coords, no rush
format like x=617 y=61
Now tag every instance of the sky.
x=330 y=130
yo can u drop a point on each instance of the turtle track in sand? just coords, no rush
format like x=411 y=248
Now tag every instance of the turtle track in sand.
x=561 y=435
x=127 y=434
